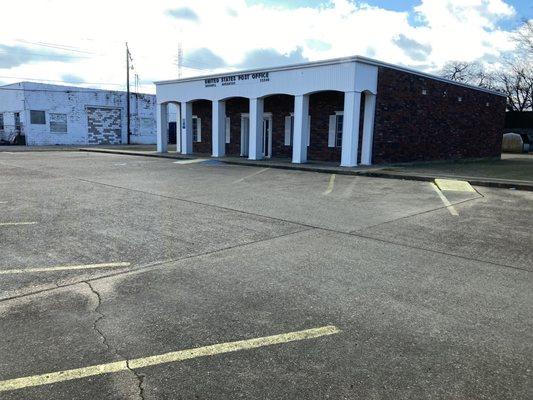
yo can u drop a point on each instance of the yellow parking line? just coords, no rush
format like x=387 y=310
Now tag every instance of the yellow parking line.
x=445 y=201
x=16 y=223
x=252 y=175
x=454 y=185
x=175 y=356
x=64 y=268
x=330 y=185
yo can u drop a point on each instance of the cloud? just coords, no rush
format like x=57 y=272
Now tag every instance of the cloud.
x=231 y=12
x=262 y=34
x=184 y=13
x=203 y=58
x=271 y=58
x=13 y=56
x=318 y=45
x=415 y=50
x=71 y=78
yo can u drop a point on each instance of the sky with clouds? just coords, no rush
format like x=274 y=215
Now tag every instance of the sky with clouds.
x=83 y=42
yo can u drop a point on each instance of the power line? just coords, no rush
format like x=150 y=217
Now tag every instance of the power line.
x=57 y=46
x=50 y=56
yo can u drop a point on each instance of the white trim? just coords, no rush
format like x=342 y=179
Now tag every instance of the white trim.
x=228 y=130
x=344 y=60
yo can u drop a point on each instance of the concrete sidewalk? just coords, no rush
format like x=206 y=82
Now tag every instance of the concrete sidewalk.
x=511 y=172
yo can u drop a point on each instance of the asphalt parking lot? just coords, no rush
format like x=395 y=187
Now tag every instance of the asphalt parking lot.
x=140 y=278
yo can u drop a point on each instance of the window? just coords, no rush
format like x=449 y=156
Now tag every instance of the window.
x=339 y=118
x=289 y=130
x=37 y=117
x=58 y=123
x=1 y=122
x=196 y=129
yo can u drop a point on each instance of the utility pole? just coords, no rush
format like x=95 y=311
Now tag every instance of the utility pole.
x=128 y=56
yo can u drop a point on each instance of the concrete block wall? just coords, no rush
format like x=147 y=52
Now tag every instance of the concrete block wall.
x=74 y=101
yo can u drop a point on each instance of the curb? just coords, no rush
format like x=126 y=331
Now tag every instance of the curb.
x=501 y=184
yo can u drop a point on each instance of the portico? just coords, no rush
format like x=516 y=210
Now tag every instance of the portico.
x=275 y=118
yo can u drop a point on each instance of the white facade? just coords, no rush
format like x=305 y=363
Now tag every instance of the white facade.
x=68 y=115
x=350 y=76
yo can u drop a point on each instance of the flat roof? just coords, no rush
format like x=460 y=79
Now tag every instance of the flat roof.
x=331 y=61
x=53 y=87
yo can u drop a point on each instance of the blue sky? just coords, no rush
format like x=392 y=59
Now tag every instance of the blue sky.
x=227 y=35
x=524 y=8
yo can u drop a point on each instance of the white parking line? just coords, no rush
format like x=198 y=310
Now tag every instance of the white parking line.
x=448 y=205
x=252 y=175
x=330 y=185
x=63 y=268
x=175 y=356
x=17 y=223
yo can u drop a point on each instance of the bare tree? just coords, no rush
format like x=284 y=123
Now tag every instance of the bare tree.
x=524 y=37
x=471 y=73
x=517 y=83
x=458 y=71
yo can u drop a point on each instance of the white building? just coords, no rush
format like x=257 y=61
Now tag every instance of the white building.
x=68 y=115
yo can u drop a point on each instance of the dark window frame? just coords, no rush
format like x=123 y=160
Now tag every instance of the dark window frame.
x=36 y=121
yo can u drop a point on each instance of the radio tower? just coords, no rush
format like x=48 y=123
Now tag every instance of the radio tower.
x=180 y=59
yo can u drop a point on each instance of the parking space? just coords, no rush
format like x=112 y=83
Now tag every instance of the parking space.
x=288 y=284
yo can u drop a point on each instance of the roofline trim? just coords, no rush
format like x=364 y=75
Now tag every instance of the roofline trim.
x=332 y=61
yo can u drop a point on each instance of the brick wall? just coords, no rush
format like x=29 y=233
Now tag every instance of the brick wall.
x=234 y=108
x=104 y=125
x=321 y=106
x=280 y=106
x=410 y=126
x=203 y=109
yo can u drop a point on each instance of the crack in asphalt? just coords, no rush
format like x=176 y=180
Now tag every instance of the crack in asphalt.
x=138 y=377
x=150 y=266
x=99 y=317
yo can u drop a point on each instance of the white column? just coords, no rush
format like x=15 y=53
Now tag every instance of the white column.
x=162 y=128
x=256 y=129
x=350 y=129
x=178 y=128
x=219 y=128
x=186 y=127
x=299 y=141
x=368 y=129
